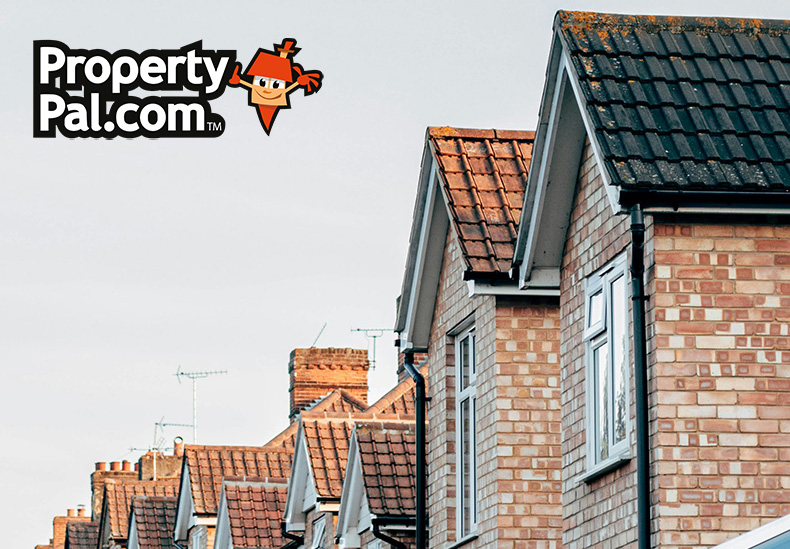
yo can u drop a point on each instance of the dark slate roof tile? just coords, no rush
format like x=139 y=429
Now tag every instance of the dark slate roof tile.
x=681 y=102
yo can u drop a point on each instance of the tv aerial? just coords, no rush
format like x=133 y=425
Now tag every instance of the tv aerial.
x=194 y=376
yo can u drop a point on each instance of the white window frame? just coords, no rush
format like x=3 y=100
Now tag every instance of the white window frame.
x=319 y=527
x=597 y=334
x=465 y=394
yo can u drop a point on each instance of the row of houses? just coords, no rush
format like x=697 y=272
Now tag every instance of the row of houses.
x=600 y=310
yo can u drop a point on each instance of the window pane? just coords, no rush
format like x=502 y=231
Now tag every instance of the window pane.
x=601 y=358
x=472 y=351
x=596 y=309
x=466 y=468
x=619 y=347
x=465 y=354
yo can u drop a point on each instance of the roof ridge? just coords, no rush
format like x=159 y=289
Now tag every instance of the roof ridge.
x=672 y=23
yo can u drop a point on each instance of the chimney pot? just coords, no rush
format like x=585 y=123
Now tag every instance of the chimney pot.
x=126 y=466
x=137 y=466
x=115 y=466
x=71 y=513
x=101 y=466
x=178 y=447
x=80 y=510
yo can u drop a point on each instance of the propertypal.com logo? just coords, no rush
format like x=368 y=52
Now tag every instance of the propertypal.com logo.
x=88 y=93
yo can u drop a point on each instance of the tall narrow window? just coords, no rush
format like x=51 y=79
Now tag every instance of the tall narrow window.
x=606 y=339
x=466 y=459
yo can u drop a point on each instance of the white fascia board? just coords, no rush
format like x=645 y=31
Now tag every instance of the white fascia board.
x=477 y=288
x=222 y=535
x=612 y=192
x=758 y=535
x=538 y=148
x=346 y=518
x=541 y=179
x=132 y=542
x=414 y=236
x=427 y=267
x=294 y=516
x=185 y=508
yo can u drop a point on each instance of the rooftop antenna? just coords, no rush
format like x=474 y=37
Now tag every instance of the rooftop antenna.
x=372 y=334
x=159 y=441
x=319 y=335
x=194 y=376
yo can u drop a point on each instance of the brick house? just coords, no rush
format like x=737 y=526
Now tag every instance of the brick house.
x=378 y=499
x=117 y=504
x=492 y=349
x=321 y=381
x=665 y=141
x=320 y=460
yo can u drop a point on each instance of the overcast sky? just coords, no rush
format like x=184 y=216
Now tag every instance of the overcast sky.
x=123 y=260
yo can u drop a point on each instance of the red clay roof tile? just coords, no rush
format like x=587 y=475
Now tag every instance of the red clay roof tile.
x=387 y=454
x=484 y=174
x=255 y=509
x=155 y=518
x=208 y=465
x=82 y=535
x=118 y=500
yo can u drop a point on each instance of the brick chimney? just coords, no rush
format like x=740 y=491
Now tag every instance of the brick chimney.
x=100 y=476
x=316 y=372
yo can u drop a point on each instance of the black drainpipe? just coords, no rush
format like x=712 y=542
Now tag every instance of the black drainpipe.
x=640 y=374
x=421 y=488
x=377 y=533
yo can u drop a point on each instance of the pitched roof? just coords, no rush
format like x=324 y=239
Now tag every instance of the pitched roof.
x=327 y=448
x=209 y=464
x=118 y=500
x=687 y=103
x=82 y=535
x=399 y=400
x=155 y=518
x=387 y=454
x=338 y=400
x=484 y=174
x=255 y=509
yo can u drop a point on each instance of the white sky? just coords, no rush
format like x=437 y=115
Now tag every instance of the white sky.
x=122 y=260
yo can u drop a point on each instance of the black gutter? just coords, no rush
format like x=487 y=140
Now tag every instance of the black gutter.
x=288 y=535
x=679 y=198
x=640 y=375
x=377 y=533
x=421 y=485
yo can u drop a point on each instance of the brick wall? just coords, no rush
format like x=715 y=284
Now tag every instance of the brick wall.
x=604 y=511
x=316 y=372
x=453 y=305
x=518 y=415
x=528 y=487
x=721 y=349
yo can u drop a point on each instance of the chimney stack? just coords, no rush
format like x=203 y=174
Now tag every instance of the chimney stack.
x=178 y=447
x=316 y=372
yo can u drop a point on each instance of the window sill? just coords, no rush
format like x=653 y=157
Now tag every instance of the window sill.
x=599 y=470
x=464 y=541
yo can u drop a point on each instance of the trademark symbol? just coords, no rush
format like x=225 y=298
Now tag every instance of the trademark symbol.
x=214 y=126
